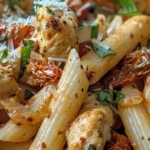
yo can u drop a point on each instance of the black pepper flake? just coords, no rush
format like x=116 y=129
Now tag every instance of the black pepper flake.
x=64 y=22
x=47 y=26
x=55 y=24
x=82 y=90
x=149 y=139
x=142 y=137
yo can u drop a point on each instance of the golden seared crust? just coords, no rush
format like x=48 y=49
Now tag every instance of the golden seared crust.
x=90 y=127
x=57 y=31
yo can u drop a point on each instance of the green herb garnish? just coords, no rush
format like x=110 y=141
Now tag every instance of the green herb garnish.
x=148 y=43
x=102 y=51
x=28 y=94
x=5 y=55
x=94 y=30
x=128 y=7
x=25 y=54
x=2 y=37
x=13 y=3
x=108 y=97
x=50 y=11
x=91 y=147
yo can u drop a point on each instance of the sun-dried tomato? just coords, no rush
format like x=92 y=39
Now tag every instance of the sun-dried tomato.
x=119 y=142
x=135 y=65
x=44 y=73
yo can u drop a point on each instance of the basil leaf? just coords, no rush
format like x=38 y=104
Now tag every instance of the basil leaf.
x=28 y=94
x=12 y=4
x=118 y=96
x=128 y=7
x=103 y=52
x=50 y=11
x=4 y=56
x=26 y=51
x=108 y=97
x=80 y=27
x=92 y=147
x=2 y=37
x=94 y=30
x=28 y=42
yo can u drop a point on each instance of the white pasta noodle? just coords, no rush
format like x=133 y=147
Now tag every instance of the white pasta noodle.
x=136 y=122
x=70 y=93
x=15 y=146
x=146 y=91
x=39 y=105
x=123 y=41
x=114 y=25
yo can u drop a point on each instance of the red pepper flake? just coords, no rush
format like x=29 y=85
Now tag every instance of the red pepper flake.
x=60 y=132
x=131 y=35
x=43 y=145
x=82 y=140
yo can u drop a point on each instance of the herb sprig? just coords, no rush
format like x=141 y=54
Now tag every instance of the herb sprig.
x=25 y=54
x=128 y=7
x=109 y=97
x=102 y=51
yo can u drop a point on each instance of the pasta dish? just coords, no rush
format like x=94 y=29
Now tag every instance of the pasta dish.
x=75 y=75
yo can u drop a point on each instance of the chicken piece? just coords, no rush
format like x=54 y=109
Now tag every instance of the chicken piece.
x=91 y=130
x=8 y=84
x=57 y=30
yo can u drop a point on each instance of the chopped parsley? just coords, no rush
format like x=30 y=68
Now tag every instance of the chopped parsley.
x=128 y=7
x=94 y=29
x=3 y=37
x=4 y=55
x=13 y=3
x=109 y=97
x=102 y=51
x=91 y=147
x=25 y=54
x=50 y=11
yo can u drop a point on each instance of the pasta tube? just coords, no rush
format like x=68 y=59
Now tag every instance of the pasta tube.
x=37 y=104
x=114 y=25
x=123 y=41
x=147 y=89
x=15 y=146
x=136 y=121
x=12 y=132
x=65 y=104
x=32 y=113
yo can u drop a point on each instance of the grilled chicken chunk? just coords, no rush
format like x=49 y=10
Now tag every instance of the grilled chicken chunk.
x=57 y=30
x=91 y=129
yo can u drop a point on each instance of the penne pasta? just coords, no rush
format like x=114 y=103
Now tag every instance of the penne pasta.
x=65 y=104
x=137 y=125
x=15 y=146
x=114 y=25
x=32 y=113
x=135 y=119
x=24 y=126
x=146 y=91
x=122 y=42
x=12 y=132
